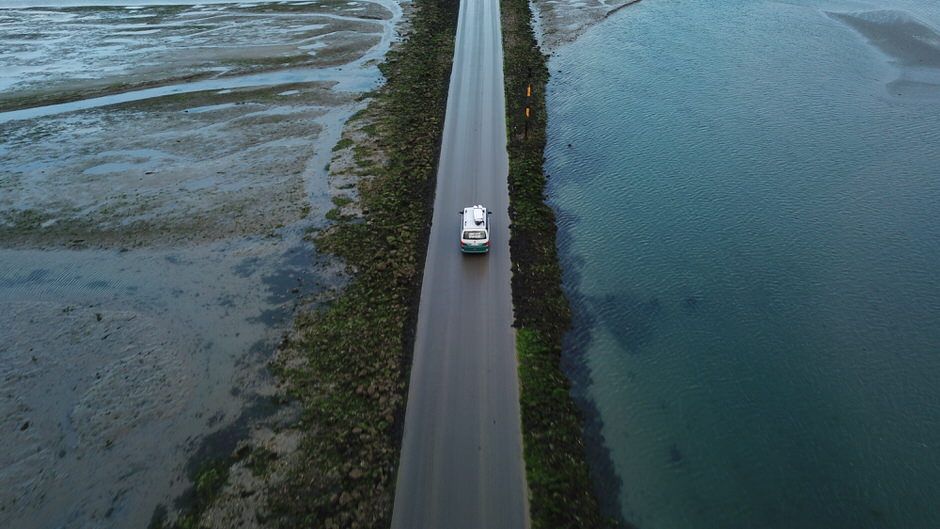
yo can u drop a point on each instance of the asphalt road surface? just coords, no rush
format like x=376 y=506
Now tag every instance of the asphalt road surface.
x=461 y=460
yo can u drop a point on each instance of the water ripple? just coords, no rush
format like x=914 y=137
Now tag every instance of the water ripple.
x=748 y=224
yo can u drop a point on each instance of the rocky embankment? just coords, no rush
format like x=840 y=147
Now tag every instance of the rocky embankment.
x=560 y=485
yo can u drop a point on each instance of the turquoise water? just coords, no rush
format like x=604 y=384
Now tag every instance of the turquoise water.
x=749 y=205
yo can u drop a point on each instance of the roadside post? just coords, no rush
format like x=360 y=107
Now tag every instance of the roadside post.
x=527 y=113
x=528 y=110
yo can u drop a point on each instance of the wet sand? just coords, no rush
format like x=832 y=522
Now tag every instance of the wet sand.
x=911 y=44
x=559 y=22
x=175 y=164
x=152 y=233
x=190 y=167
x=53 y=55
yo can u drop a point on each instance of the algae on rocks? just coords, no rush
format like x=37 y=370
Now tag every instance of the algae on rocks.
x=561 y=494
x=348 y=365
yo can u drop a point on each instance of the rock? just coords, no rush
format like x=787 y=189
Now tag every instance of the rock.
x=356 y=473
x=242 y=451
x=344 y=498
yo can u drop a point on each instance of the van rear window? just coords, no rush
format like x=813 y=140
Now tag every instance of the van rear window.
x=474 y=234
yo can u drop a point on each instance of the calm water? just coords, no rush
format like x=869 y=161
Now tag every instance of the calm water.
x=749 y=202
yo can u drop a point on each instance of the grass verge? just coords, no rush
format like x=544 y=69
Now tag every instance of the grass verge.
x=560 y=487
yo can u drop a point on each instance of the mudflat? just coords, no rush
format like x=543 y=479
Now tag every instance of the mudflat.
x=159 y=169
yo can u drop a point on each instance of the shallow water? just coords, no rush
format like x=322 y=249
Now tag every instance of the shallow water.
x=747 y=194
x=116 y=364
x=356 y=81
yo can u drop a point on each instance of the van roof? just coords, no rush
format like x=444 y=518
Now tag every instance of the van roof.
x=474 y=217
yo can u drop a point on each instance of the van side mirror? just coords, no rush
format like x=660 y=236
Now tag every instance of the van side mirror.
x=489 y=212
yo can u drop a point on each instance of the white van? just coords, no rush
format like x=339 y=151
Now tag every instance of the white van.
x=475 y=229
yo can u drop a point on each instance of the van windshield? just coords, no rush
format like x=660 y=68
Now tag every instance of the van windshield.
x=474 y=234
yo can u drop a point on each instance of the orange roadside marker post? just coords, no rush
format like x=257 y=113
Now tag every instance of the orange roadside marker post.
x=528 y=111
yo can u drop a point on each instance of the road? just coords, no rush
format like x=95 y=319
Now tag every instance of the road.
x=461 y=461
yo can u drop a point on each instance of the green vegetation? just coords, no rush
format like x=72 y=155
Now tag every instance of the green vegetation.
x=207 y=483
x=348 y=364
x=561 y=492
x=334 y=215
x=260 y=461
x=341 y=200
x=344 y=143
x=22 y=220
